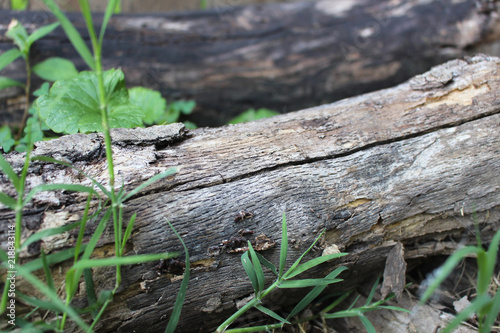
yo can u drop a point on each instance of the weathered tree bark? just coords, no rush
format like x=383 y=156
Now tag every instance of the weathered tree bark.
x=410 y=165
x=281 y=56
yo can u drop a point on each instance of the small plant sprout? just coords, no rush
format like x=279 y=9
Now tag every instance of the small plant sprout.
x=253 y=262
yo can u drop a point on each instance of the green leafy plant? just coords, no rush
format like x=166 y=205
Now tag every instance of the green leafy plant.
x=253 y=262
x=50 y=69
x=107 y=93
x=252 y=114
x=486 y=306
x=360 y=311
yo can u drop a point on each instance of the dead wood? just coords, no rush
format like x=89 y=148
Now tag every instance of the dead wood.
x=280 y=56
x=413 y=165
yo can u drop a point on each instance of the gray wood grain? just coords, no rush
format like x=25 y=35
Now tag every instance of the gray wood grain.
x=409 y=165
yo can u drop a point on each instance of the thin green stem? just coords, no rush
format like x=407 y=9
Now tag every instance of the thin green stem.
x=26 y=96
x=256 y=300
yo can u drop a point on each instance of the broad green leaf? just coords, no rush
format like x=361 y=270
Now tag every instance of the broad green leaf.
x=53 y=69
x=115 y=261
x=312 y=263
x=284 y=245
x=307 y=283
x=44 y=89
x=42 y=32
x=72 y=34
x=6 y=139
x=19 y=4
x=179 y=302
x=6 y=82
x=73 y=105
x=48 y=232
x=250 y=270
x=311 y=296
x=151 y=102
x=271 y=313
x=19 y=35
x=252 y=114
x=8 y=57
x=257 y=267
x=7 y=169
x=442 y=273
x=8 y=201
x=184 y=106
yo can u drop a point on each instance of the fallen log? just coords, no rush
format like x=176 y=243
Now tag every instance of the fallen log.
x=413 y=165
x=284 y=57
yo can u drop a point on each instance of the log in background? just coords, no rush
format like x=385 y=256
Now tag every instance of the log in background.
x=280 y=56
x=410 y=164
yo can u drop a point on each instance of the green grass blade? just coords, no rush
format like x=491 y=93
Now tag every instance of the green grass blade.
x=18 y=4
x=55 y=187
x=48 y=232
x=311 y=296
x=90 y=291
x=83 y=225
x=36 y=302
x=52 y=259
x=249 y=269
x=337 y=301
x=69 y=165
x=52 y=296
x=115 y=261
x=48 y=273
x=297 y=262
x=9 y=172
x=110 y=9
x=445 y=270
x=462 y=316
x=150 y=181
x=372 y=291
x=394 y=308
x=181 y=295
x=128 y=231
x=304 y=283
x=42 y=32
x=271 y=314
x=491 y=259
x=8 y=57
x=342 y=314
x=8 y=201
x=312 y=263
x=492 y=315
x=267 y=263
x=72 y=33
x=257 y=267
x=284 y=245
x=367 y=324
